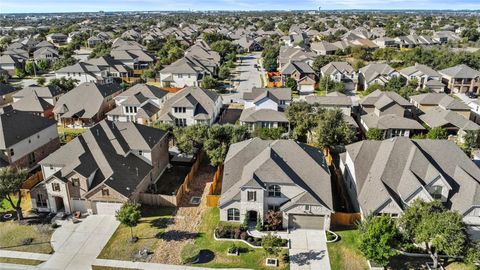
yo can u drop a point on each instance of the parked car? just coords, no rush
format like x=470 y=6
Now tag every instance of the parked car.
x=471 y=94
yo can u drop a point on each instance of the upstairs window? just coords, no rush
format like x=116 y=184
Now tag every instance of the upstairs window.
x=76 y=182
x=274 y=191
x=105 y=192
x=251 y=196
x=437 y=192
x=55 y=186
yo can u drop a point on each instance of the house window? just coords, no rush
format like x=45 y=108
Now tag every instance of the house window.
x=307 y=207
x=76 y=182
x=233 y=214
x=274 y=208
x=180 y=122
x=140 y=152
x=251 y=196
x=437 y=192
x=41 y=200
x=274 y=191
x=105 y=192
x=12 y=152
x=180 y=76
x=31 y=158
x=55 y=186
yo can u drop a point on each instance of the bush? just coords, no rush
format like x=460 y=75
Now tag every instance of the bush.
x=27 y=241
x=237 y=233
x=54 y=225
x=190 y=253
x=243 y=236
x=250 y=239
x=224 y=231
x=232 y=248
x=285 y=257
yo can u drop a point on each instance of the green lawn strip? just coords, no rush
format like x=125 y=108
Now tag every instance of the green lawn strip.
x=460 y=266
x=5 y=205
x=344 y=253
x=62 y=130
x=152 y=225
x=248 y=258
x=14 y=235
x=20 y=261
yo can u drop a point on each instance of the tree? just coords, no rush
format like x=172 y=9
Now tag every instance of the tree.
x=209 y=82
x=372 y=88
x=271 y=244
x=301 y=117
x=41 y=80
x=471 y=34
x=268 y=133
x=470 y=141
x=63 y=62
x=11 y=180
x=64 y=84
x=129 y=215
x=332 y=130
x=378 y=236
x=148 y=73
x=20 y=73
x=395 y=83
x=374 y=134
x=224 y=72
x=210 y=38
x=30 y=67
x=223 y=47
x=274 y=220
x=438 y=229
x=100 y=50
x=437 y=133
x=270 y=64
x=291 y=83
x=43 y=64
x=219 y=139
x=322 y=60
x=190 y=138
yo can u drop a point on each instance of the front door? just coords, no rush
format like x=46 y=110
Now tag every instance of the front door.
x=60 y=207
x=252 y=216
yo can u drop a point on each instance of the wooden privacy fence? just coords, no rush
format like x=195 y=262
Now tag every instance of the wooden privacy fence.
x=173 y=200
x=345 y=219
x=213 y=195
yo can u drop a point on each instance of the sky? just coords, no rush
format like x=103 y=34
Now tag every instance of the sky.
x=39 y=6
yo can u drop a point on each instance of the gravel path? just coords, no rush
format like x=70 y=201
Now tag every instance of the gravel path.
x=187 y=220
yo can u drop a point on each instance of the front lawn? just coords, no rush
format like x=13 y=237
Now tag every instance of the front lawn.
x=152 y=225
x=28 y=238
x=344 y=254
x=20 y=261
x=248 y=258
x=460 y=266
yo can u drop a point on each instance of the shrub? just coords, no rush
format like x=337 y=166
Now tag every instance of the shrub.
x=285 y=257
x=259 y=225
x=237 y=233
x=224 y=231
x=232 y=248
x=243 y=236
x=54 y=225
x=250 y=239
x=190 y=253
x=27 y=241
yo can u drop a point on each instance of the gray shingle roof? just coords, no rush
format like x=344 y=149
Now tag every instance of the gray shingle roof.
x=440 y=99
x=438 y=117
x=461 y=71
x=280 y=161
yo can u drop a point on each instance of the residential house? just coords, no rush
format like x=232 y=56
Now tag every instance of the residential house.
x=132 y=55
x=46 y=53
x=201 y=50
x=97 y=172
x=264 y=108
x=11 y=62
x=140 y=103
x=423 y=74
x=25 y=139
x=323 y=48
x=283 y=175
x=461 y=79
x=399 y=171
x=303 y=75
x=453 y=122
x=38 y=100
x=246 y=44
x=84 y=72
x=385 y=42
x=390 y=113
x=86 y=104
x=426 y=102
x=187 y=71
x=191 y=105
x=6 y=93
x=341 y=72
x=295 y=54
x=57 y=38
x=375 y=73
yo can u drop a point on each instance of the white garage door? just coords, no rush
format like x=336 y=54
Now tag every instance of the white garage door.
x=305 y=222
x=107 y=208
x=306 y=88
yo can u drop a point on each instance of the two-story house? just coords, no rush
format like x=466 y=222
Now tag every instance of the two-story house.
x=187 y=71
x=303 y=74
x=86 y=104
x=461 y=79
x=84 y=72
x=399 y=171
x=341 y=72
x=425 y=76
x=39 y=100
x=97 y=172
x=140 y=103
x=283 y=175
x=264 y=108
x=25 y=139
x=375 y=73
x=389 y=112
x=191 y=105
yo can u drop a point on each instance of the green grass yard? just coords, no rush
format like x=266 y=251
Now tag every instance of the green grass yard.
x=14 y=235
x=20 y=261
x=153 y=223
x=344 y=254
x=248 y=258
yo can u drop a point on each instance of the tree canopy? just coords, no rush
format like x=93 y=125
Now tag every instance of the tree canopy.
x=11 y=180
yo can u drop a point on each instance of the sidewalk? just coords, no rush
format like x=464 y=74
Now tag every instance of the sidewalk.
x=24 y=255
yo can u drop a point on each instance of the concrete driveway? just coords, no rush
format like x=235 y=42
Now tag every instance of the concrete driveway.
x=248 y=77
x=308 y=250
x=78 y=245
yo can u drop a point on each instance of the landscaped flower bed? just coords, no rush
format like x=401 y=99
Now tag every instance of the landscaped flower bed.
x=232 y=232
